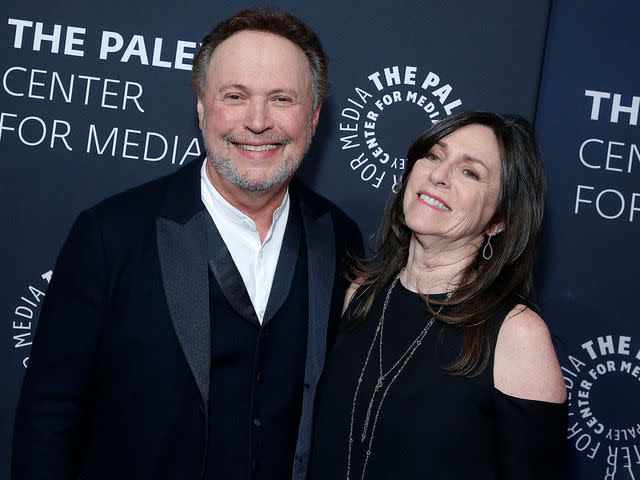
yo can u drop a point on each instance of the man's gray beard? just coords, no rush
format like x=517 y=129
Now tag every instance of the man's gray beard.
x=285 y=171
x=226 y=169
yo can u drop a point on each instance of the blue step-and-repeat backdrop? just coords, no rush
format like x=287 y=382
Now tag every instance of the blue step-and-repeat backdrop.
x=95 y=98
x=587 y=124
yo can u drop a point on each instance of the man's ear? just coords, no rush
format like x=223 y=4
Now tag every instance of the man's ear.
x=200 y=107
x=315 y=117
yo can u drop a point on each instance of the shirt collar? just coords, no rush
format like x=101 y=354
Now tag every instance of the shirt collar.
x=230 y=212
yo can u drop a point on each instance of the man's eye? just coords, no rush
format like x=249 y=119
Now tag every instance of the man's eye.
x=232 y=97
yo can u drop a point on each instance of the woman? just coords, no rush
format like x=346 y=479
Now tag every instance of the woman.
x=443 y=369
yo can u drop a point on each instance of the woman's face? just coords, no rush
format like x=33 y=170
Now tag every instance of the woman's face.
x=453 y=191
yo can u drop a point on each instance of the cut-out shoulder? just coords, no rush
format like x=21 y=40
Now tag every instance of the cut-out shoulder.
x=526 y=365
x=528 y=401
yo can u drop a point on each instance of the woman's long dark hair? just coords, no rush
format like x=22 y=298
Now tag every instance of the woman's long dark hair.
x=484 y=284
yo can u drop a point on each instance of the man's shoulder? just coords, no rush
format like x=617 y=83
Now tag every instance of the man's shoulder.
x=318 y=204
x=347 y=232
x=150 y=199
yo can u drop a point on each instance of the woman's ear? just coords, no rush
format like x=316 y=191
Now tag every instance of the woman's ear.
x=494 y=229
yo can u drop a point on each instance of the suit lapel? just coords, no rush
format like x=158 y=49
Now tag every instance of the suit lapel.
x=286 y=267
x=182 y=249
x=227 y=274
x=319 y=235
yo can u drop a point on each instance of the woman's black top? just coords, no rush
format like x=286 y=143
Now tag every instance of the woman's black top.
x=432 y=425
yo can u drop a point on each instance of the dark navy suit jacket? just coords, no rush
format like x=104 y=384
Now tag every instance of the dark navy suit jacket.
x=120 y=365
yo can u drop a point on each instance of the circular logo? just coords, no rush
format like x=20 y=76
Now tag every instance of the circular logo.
x=376 y=121
x=603 y=386
x=25 y=317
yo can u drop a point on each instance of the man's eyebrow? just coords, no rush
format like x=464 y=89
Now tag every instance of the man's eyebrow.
x=238 y=86
x=232 y=86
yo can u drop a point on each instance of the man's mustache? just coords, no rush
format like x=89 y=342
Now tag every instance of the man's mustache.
x=261 y=137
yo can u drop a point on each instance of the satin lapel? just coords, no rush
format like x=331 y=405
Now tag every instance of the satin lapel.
x=285 y=270
x=319 y=236
x=227 y=274
x=183 y=260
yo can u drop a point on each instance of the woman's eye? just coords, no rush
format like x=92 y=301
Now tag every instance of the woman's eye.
x=433 y=157
x=471 y=174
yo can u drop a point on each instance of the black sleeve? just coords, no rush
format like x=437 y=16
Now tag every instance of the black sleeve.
x=48 y=422
x=348 y=245
x=532 y=438
x=350 y=240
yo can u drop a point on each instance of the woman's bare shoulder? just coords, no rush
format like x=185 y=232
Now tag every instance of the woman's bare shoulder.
x=526 y=365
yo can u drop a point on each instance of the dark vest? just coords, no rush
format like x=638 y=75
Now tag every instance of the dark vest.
x=257 y=371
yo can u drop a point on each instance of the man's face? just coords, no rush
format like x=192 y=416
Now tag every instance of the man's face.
x=256 y=116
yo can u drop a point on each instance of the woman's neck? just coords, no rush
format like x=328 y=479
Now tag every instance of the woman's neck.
x=436 y=268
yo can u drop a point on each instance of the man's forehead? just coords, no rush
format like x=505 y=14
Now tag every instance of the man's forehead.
x=259 y=41
x=257 y=57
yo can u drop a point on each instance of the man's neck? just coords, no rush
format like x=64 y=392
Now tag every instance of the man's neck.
x=259 y=206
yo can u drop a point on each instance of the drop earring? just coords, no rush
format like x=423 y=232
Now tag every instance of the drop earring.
x=487 y=251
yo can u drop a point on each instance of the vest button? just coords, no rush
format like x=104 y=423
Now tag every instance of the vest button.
x=257 y=422
x=259 y=377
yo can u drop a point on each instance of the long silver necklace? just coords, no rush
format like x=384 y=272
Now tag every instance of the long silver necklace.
x=396 y=369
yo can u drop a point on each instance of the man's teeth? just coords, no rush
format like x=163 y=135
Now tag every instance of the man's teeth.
x=434 y=202
x=257 y=148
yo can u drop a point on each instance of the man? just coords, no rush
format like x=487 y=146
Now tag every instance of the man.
x=185 y=327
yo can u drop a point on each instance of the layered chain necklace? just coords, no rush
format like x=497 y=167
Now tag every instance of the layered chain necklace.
x=384 y=382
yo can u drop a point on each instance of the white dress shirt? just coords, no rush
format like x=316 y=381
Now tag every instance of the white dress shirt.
x=256 y=261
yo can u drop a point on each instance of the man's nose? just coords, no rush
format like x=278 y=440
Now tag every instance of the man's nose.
x=258 y=118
